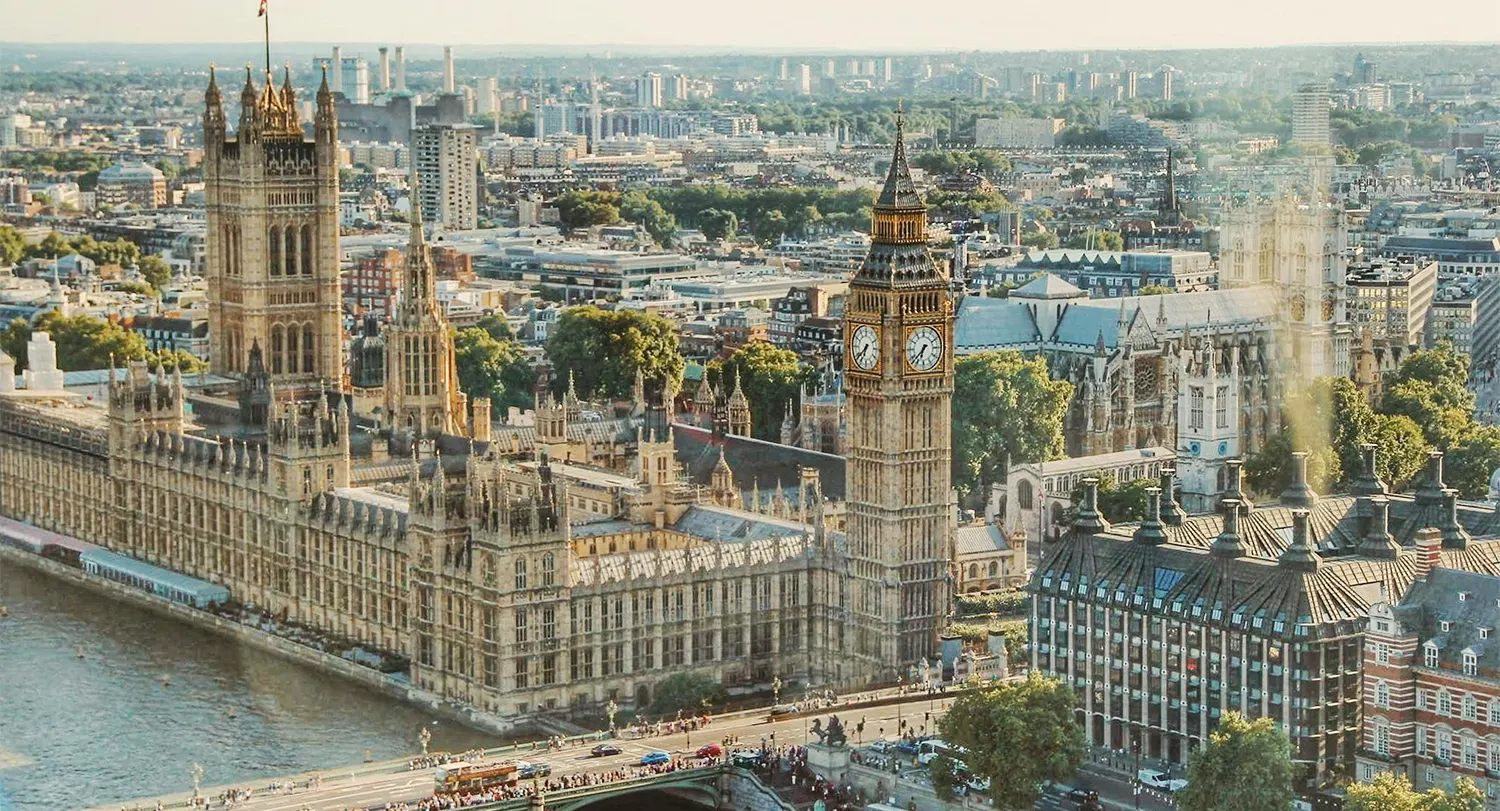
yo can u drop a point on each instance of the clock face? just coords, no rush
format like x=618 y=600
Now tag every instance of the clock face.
x=864 y=348
x=924 y=348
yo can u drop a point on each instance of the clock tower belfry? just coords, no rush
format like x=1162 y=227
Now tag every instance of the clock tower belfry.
x=898 y=361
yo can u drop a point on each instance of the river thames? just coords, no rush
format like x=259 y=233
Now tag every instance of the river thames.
x=148 y=697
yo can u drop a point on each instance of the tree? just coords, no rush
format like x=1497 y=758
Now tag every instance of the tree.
x=1153 y=290
x=138 y=288
x=155 y=271
x=1007 y=409
x=1246 y=765
x=175 y=359
x=83 y=342
x=52 y=246
x=1431 y=387
x=1118 y=502
x=493 y=368
x=1040 y=240
x=1330 y=419
x=717 y=224
x=1470 y=461
x=771 y=378
x=1393 y=792
x=13 y=341
x=769 y=227
x=12 y=246
x=582 y=209
x=497 y=327
x=1096 y=239
x=636 y=207
x=946 y=777
x=602 y=349
x=687 y=693
x=120 y=252
x=1018 y=734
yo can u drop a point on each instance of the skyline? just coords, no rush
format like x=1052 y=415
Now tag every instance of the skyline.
x=777 y=25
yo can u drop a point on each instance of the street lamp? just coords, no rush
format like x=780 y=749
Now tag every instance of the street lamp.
x=610 y=710
x=424 y=737
x=776 y=690
x=197 y=780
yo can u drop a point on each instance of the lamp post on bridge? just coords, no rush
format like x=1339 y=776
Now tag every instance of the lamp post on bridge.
x=424 y=737
x=197 y=772
x=611 y=709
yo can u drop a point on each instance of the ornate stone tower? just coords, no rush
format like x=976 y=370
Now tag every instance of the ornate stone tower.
x=421 y=377
x=739 y=410
x=273 y=220
x=899 y=360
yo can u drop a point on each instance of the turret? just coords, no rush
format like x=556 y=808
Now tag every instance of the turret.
x=213 y=113
x=326 y=123
x=249 y=128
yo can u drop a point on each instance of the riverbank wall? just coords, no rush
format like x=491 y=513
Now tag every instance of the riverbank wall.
x=395 y=686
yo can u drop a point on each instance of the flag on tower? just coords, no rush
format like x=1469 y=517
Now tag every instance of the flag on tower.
x=262 y=12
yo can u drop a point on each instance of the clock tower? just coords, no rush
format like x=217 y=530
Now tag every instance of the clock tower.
x=898 y=339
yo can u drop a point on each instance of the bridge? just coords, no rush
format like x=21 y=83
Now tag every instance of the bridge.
x=716 y=786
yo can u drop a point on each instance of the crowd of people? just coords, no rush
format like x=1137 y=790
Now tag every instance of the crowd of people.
x=443 y=802
x=643 y=729
x=428 y=761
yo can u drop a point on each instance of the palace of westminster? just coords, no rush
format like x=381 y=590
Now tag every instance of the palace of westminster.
x=519 y=569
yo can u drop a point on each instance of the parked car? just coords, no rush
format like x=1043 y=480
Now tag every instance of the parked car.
x=710 y=750
x=604 y=750
x=655 y=758
x=881 y=745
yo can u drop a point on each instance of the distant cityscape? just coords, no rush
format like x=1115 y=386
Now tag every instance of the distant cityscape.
x=535 y=386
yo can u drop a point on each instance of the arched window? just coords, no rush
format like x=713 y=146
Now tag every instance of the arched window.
x=973 y=571
x=291 y=349
x=994 y=568
x=273 y=241
x=1023 y=494
x=549 y=570
x=278 y=346
x=307 y=250
x=290 y=238
x=307 y=348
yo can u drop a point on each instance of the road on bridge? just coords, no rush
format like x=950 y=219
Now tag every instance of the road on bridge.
x=361 y=787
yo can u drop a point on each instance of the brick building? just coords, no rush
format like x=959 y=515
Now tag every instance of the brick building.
x=1431 y=695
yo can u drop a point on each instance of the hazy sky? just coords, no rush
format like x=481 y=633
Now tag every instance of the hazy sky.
x=768 y=24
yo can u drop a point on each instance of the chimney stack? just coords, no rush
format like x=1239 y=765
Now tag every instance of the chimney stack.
x=1088 y=518
x=447 y=68
x=336 y=81
x=385 y=69
x=1150 y=532
x=1429 y=543
x=1298 y=494
x=400 y=68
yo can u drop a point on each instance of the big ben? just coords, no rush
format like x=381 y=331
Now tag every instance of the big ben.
x=898 y=361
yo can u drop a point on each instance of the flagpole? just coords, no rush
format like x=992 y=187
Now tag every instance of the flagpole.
x=266 y=14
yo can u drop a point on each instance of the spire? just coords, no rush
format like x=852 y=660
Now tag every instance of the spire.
x=899 y=190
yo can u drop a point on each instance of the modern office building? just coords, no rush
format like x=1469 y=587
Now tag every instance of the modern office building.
x=1310 y=115
x=648 y=90
x=1392 y=298
x=1162 y=626
x=1017 y=133
x=446 y=160
x=134 y=183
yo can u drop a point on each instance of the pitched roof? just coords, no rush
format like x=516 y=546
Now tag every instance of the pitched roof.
x=980 y=540
x=899 y=190
x=1048 y=286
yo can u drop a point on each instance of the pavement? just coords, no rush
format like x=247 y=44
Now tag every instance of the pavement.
x=367 y=785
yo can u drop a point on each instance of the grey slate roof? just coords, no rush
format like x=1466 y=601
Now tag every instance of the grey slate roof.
x=1047 y=286
x=980 y=540
x=992 y=322
x=1468 y=600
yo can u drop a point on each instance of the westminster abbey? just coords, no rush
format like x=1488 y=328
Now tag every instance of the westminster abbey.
x=519 y=570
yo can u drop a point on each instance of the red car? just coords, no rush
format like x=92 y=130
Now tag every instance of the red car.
x=710 y=750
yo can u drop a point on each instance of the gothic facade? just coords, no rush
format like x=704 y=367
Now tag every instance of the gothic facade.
x=272 y=250
x=519 y=569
